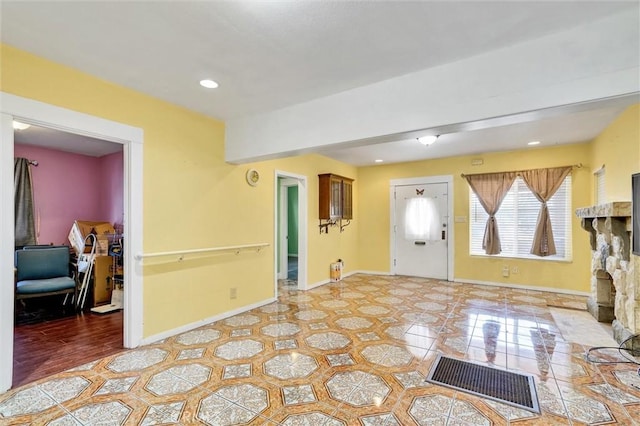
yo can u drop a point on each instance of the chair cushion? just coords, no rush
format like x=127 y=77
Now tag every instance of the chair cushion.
x=45 y=286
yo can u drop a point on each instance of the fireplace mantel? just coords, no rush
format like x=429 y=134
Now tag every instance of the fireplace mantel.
x=615 y=291
x=615 y=209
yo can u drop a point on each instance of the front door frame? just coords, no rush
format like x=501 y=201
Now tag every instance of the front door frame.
x=38 y=113
x=425 y=180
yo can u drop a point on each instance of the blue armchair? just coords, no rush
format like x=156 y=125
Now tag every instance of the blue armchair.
x=44 y=272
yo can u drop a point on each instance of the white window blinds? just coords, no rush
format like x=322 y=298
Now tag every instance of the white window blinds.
x=601 y=196
x=517 y=218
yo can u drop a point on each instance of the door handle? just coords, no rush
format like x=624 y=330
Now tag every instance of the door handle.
x=420 y=243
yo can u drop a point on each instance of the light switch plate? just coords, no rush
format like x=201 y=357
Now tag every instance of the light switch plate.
x=461 y=219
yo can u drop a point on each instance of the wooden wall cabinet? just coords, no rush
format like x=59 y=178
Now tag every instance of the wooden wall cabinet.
x=335 y=200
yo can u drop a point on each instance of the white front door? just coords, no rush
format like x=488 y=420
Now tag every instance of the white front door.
x=420 y=230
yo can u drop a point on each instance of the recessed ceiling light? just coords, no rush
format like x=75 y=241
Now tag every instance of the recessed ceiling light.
x=534 y=143
x=379 y=161
x=209 y=84
x=428 y=140
x=20 y=126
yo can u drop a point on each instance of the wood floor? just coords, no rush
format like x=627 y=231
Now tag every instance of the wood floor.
x=53 y=346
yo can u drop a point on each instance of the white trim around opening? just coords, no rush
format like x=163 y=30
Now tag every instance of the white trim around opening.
x=46 y=115
x=302 y=227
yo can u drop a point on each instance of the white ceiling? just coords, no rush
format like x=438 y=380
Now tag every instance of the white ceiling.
x=268 y=55
x=63 y=141
x=575 y=124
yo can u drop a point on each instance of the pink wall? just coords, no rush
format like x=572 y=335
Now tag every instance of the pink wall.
x=72 y=186
x=112 y=199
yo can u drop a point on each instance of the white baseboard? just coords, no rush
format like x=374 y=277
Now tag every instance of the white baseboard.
x=523 y=286
x=318 y=284
x=206 y=321
x=372 y=272
x=323 y=282
x=490 y=283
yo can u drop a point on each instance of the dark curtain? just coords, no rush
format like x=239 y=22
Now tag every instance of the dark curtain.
x=25 y=232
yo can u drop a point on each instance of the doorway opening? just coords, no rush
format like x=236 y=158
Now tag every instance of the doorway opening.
x=77 y=186
x=52 y=117
x=291 y=237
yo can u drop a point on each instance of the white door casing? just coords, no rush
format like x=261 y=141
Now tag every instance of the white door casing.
x=301 y=182
x=423 y=246
x=45 y=115
x=284 y=184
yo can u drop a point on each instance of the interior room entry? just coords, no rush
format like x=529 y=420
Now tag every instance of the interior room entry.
x=291 y=231
x=421 y=230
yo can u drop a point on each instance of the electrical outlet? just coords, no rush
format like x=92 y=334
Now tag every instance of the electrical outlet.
x=515 y=270
x=233 y=293
x=505 y=271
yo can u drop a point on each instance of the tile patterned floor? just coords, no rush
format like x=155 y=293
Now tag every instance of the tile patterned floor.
x=349 y=353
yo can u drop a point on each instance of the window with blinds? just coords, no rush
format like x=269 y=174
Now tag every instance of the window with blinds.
x=601 y=196
x=517 y=218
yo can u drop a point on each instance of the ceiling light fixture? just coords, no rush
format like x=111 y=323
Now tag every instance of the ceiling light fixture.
x=379 y=161
x=534 y=143
x=428 y=140
x=209 y=84
x=20 y=126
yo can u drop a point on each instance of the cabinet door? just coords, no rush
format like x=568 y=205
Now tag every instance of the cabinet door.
x=347 y=199
x=335 y=201
x=324 y=202
x=335 y=206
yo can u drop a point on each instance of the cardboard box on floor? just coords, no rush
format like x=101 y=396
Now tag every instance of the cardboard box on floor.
x=82 y=228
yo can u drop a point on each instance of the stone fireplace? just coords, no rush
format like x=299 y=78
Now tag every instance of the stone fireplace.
x=615 y=272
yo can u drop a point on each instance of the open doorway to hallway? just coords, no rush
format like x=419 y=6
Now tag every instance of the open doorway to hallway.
x=290 y=232
x=289 y=222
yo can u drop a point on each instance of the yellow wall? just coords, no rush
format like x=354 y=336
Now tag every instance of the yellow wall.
x=374 y=216
x=322 y=248
x=192 y=198
x=618 y=148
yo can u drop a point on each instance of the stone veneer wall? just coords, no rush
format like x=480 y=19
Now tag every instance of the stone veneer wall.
x=615 y=272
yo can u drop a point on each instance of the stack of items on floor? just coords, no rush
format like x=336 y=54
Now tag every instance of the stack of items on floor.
x=106 y=270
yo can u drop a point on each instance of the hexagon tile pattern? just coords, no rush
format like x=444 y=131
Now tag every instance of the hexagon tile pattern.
x=358 y=388
x=178 y=379
x=232 y=405
x=327 y=341
x=199 y=336
x=353 y=323
x=312 y=419
x=290 y=366
x=108 y=413
x=137 y=360
x=387 y=355
x=349 y=353
x=239 y=349
x=242 y=320
x=281 y=329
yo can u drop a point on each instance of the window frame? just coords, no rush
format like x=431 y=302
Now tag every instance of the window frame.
x=517 y=190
